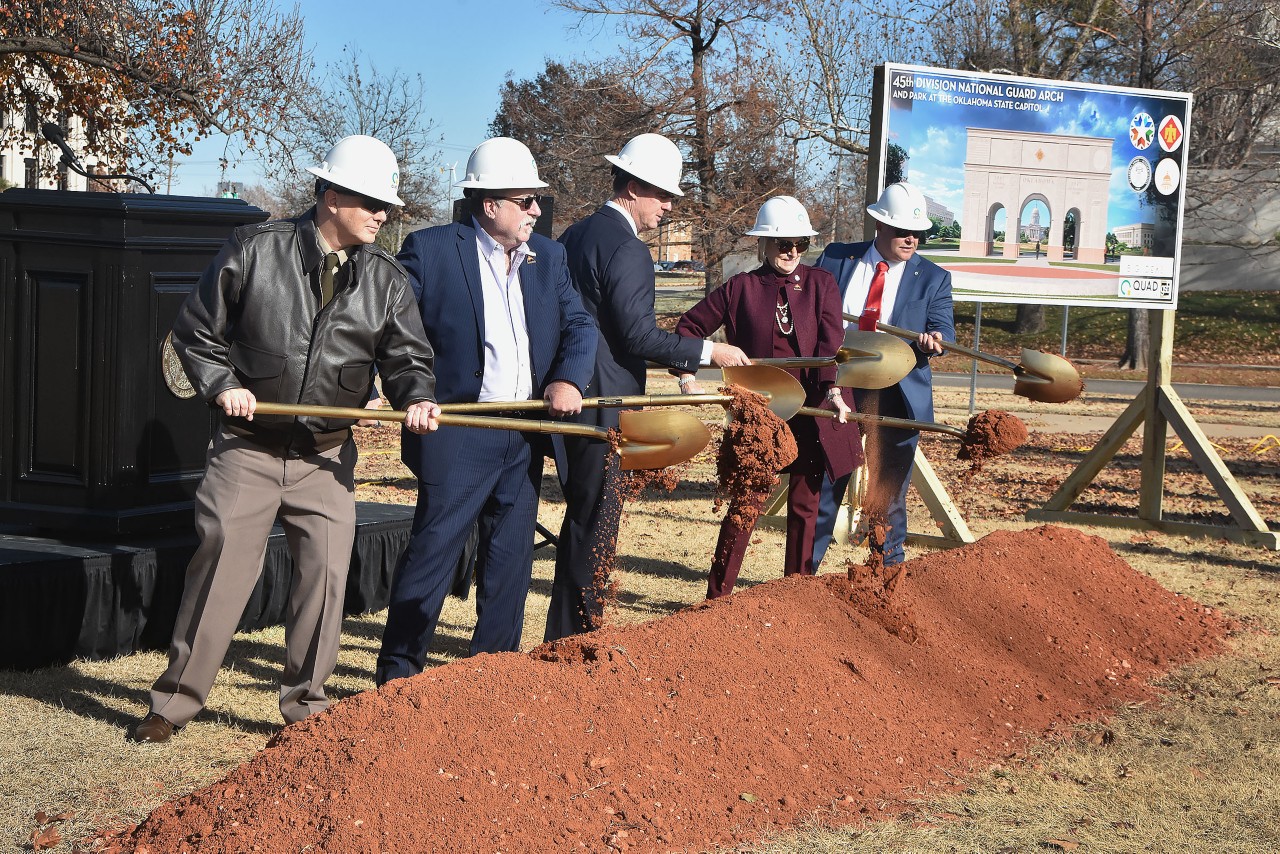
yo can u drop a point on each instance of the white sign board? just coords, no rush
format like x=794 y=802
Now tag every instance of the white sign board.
x=1043 y=191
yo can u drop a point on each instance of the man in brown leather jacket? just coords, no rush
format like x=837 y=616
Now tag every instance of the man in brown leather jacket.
x=293 y=311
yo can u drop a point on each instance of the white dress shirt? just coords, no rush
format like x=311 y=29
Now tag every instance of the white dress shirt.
x=855 y=296
x=508 y=374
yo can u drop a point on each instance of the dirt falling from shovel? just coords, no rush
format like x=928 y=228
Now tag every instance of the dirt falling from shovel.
x=993 y=433
x=756 y=446
x=799 y=700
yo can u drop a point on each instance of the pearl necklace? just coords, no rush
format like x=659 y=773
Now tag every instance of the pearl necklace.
x=783 y=316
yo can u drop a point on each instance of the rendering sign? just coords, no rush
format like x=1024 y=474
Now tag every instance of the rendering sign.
x=1042 y=191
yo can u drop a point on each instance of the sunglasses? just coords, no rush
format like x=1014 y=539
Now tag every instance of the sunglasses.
x=372 y=205
x=784 y=246
x=522 y=202
x=906 y=232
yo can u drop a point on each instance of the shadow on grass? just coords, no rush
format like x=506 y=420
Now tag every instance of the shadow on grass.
x=66 y=688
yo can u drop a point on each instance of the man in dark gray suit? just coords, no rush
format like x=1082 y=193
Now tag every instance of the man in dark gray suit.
x=613 y=271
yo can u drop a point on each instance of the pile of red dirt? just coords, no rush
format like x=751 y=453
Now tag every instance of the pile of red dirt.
x=717 y=724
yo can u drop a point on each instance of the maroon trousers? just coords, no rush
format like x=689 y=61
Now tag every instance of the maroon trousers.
x=802 y=518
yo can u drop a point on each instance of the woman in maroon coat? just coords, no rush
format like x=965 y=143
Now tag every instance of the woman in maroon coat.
x=784 y=309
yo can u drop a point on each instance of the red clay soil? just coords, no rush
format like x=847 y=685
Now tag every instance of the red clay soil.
x=717 y=724
x=756 y=445
x=993 y=433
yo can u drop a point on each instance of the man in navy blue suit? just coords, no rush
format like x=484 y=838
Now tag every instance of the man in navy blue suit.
x=613 y=270
x=507 y=325
x=885 y=279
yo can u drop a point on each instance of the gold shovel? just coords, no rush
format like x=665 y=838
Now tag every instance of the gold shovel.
x=865 y=360
x=1043 y=377
x=647 y=440
x=783 y=392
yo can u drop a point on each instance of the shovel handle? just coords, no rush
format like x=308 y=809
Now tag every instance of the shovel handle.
x=908 y=335
x=887 y=421
x=520 y=424
x=592 y=402
x=799 y=362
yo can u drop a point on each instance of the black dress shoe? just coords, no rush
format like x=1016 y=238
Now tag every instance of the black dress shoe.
x=153 y=729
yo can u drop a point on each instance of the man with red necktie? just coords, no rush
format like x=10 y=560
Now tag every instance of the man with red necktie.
x=886 y=280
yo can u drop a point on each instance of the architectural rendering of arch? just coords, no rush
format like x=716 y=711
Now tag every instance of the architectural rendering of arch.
x=1007 y=168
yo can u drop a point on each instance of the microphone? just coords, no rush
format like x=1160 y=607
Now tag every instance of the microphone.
x=54 y=134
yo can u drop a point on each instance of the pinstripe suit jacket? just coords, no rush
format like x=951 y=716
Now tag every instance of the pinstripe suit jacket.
x=613 y=271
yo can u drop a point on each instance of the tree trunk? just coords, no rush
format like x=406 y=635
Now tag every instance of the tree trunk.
x=1137 y=341
x=1030 y=320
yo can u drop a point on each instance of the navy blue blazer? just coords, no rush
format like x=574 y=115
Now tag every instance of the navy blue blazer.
x=613 y=271
x=923 y=304
x=444 y=271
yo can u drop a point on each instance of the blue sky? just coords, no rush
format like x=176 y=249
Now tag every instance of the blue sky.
x=934 y=137
x=463 y=50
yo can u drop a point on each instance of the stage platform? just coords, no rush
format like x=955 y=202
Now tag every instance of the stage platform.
x=69 y=598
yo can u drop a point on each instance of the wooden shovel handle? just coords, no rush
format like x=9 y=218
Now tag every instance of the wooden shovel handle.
x=521 y=424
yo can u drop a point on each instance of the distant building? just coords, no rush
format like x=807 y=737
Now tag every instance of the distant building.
x=937 y=210
x=1034 y=230
x=671 y=241
x=1139 y=235
x=25 y=156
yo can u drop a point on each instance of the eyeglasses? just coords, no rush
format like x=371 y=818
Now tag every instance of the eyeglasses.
x=784 y=246
x=522 y=202
x=906 y=232
x=372 y=205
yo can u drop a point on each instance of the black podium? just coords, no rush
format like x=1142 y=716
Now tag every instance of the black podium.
x=99 y=461
x=93 y=441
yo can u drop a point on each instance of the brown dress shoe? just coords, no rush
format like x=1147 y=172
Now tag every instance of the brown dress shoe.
x=153 y=728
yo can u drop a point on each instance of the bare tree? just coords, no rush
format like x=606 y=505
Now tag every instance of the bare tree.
x=823 y=67
x=570 y=116
x=260 y=197
x=151 y=77
x=357 y=98
x=698 y=64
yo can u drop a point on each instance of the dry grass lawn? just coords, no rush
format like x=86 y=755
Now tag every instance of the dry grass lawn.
x=1199 y=770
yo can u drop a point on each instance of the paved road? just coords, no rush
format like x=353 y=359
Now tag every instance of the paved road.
x=1127 y=388
x=1081 y=421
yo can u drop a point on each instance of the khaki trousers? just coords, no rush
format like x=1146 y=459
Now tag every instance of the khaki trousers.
x=245 y=489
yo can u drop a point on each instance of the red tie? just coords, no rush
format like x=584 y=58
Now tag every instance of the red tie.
x=871 y=311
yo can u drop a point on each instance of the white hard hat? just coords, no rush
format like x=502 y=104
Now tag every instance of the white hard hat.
x=782 y=216
x=501 y=163
x=653 y=159
x=363 y=165
x=902 y=206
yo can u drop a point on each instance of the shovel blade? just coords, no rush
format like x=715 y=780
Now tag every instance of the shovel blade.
x=873 y=360
x=657 y=439
x=1047 y=378
x=783 y=391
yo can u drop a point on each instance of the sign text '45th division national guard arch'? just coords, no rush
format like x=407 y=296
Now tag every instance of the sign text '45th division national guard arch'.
x=1041 y=191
